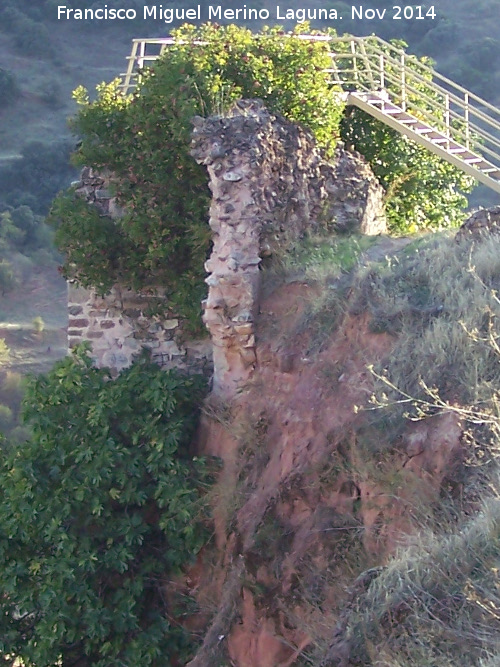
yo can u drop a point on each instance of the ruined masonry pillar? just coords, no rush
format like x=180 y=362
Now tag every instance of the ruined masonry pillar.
x=270 y=186
x=233 y=267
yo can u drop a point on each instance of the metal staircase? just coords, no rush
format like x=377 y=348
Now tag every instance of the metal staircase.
x=397 y=89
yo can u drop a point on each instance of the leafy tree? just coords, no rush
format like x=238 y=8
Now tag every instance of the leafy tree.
x=7 y=278
x=144 y=141
x=423 y=191
x=11 y=237
x=30 y=37
x=98 y=509
x=36 y=178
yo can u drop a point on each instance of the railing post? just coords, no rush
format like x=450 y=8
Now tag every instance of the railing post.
x=382 y=72
x=466 y=118
x=447 y=119
x=142 y=53
x=403 y=82
x=354 y=63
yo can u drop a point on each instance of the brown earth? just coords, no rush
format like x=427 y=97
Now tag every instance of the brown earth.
x=305 y=501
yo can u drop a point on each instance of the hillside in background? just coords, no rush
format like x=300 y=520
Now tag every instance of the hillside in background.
x=332 y=499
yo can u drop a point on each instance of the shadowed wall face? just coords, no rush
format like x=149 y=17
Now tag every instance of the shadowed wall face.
x=270 y=185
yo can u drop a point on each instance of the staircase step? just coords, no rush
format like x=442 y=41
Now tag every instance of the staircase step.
x=426 y=132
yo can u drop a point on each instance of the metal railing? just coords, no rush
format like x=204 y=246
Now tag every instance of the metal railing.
x=372 y=65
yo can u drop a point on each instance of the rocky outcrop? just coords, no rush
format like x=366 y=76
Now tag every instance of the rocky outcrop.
x=484 y=221
x=270 y=184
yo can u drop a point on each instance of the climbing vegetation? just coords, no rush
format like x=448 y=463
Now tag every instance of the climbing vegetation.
x=143 y=139
x=99 y=509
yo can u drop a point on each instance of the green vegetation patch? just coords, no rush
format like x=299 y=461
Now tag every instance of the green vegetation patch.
x=144 y=139
x=99 y=508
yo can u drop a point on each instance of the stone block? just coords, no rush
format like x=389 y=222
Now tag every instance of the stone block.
x=115 y=359
x=78 y=322
x=107 y=324
x=78 y=295
x=133 y=313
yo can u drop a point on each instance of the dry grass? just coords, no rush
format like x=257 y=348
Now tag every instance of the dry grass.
x=442 y=304
x=435 y=604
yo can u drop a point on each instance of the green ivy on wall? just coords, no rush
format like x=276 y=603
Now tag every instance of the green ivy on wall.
x=144 y=140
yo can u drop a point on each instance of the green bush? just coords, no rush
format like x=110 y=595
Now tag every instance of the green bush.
x=98 y=510
x=36 y=178
x=5 y=417
x=7 y=278
x=4 y=350
x=38 y=324
x=144 y=141
x=30 y=37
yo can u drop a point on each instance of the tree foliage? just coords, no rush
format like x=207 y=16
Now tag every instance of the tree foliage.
x=36 y=178
x=98 y=509
x=423 y=191
x=144 y=141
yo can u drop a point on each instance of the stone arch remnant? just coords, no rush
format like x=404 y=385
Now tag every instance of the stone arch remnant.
x=270 y=184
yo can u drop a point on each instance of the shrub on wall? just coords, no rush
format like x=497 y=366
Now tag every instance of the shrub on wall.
x=144 y=141
x=98 y=509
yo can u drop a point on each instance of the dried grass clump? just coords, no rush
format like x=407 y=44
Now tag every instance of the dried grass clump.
x=442 y=302
x=435 y=604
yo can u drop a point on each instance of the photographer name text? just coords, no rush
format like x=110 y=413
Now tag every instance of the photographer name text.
x=220 y=13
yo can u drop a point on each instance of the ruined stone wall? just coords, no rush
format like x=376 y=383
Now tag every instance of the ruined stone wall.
x=121 y=323
x=124 y=321
x=270 y=184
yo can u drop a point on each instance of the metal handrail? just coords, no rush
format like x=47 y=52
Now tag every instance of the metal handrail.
x=370 y=64
x=376 y=59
